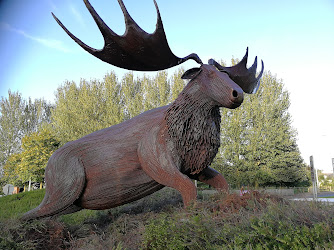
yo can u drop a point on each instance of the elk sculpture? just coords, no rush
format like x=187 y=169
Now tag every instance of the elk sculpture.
x=166 y=146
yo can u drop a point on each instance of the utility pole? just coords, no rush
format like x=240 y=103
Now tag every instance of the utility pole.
x=314 y=178
x=333 y=165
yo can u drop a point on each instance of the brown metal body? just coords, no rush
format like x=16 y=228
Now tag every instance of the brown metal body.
x=166 y=146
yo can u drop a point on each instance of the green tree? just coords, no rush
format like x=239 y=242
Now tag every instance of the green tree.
x=19 y=117
x=132 y=94
x=29 y=165
x=112 y=100
x=83 y=109
x=156 y=91
x=11 y=170
x=177 y=84
x=162 y=83
x=11 y=125
x=325 y=181
x=150 y=93
x=36 y=113
x=37 y=149
x=258 y=142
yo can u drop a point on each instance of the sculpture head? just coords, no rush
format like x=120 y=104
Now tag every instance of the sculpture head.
x=138 y=50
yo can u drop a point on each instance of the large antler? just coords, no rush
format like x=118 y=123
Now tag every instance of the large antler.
x=239 y=73
x=136 y=49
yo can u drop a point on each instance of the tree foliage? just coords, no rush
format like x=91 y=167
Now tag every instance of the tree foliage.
x=177 y=84
x=37 y=149
x=19 y=117
x=30 y=164
x=82 y=109
x=11 y=124
x=95 y=105
x=10 y=170
x=132 y=96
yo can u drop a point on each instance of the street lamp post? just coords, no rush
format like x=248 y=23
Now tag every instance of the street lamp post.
x=314 y=178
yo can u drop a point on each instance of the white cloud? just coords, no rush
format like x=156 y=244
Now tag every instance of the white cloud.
x=53 y=5
x=51 y=43
x=77 y=15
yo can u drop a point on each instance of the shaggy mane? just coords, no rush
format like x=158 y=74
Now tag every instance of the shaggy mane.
x=194 y=128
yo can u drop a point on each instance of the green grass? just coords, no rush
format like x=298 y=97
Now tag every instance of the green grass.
x=14 y=206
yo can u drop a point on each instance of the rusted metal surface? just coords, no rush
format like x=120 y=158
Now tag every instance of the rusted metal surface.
x=166 y=146
x=136 y=49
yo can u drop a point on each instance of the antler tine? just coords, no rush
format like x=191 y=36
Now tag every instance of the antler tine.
x=252 y=69
x=159 y=21
x=77 y=40
x=239 y=73
x=243 y=62
x=128 y=19
x=136 y=49
x=103 y=27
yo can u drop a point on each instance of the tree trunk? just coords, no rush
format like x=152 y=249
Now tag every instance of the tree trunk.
x=29 y=188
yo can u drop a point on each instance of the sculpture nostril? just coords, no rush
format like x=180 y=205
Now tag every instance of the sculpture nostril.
x=237 y=96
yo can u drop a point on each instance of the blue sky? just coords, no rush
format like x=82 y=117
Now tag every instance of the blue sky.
x=295 y=39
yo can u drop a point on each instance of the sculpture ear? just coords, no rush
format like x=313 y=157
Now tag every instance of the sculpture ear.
x=191 y=73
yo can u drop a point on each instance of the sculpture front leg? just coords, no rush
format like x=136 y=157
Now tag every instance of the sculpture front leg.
x=212 y=178
x=156 y=161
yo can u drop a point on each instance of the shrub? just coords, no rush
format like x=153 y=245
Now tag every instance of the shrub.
x=252 y=221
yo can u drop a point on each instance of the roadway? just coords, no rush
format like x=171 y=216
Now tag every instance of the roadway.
x=322 y=196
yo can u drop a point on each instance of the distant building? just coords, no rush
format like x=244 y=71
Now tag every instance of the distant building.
x=8 y=189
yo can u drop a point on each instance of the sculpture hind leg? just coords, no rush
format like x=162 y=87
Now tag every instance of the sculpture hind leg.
x=64 y=185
